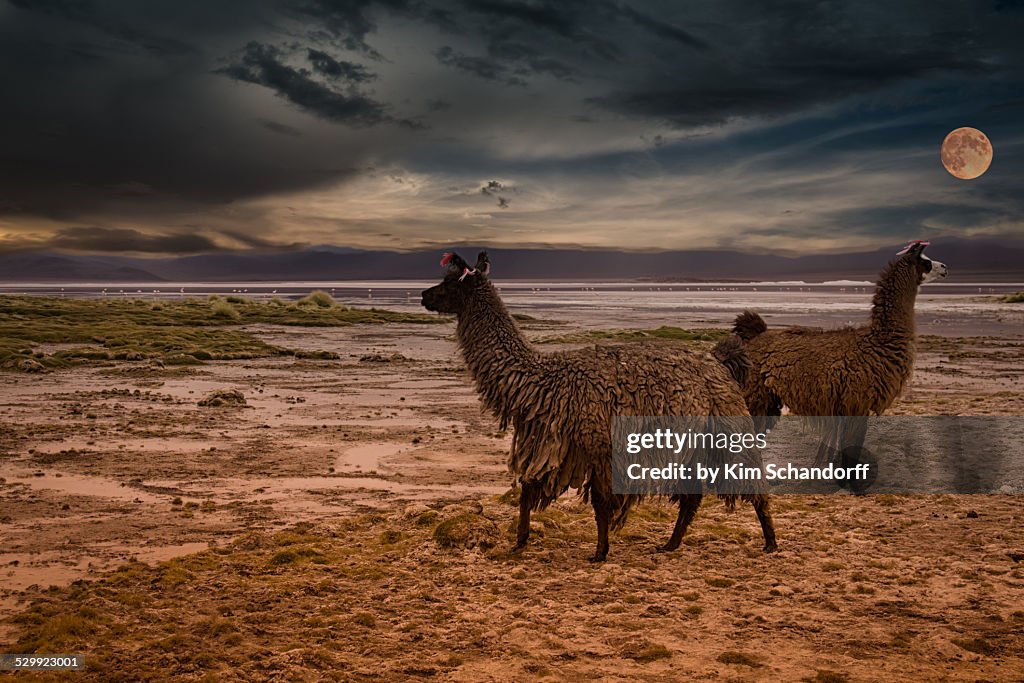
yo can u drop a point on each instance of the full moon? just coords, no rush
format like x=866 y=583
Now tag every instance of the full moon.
x=966 y=153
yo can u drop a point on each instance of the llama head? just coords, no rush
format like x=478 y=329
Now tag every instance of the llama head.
x=460 y=284
x=927 y=269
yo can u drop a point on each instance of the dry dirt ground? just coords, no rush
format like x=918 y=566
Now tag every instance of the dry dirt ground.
x=352 y=522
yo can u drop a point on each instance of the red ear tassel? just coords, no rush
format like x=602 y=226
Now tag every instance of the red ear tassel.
x=446 y=258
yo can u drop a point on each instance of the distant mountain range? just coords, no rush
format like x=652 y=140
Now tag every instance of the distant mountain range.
x=989 y=260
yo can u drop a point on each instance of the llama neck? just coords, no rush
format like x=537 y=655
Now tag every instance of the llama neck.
x=498 y=356
x=892 y=310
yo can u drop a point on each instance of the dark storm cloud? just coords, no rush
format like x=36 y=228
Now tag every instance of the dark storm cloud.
x=665 y=29
x=347 y=21
x=529 y=60
x=586 y=26
x=94 y=114
x=708 y=64
x=76 y=9
x=327 y=65
x=592 y=27
x=808 y=54
x=484 y=67
x=126 y=239
x=120 y=108
x=84 y=12
x=551 y=16
x=510 y=63
x=151 y=42
x=262 y=65
x=280 y=128
x=915 y=220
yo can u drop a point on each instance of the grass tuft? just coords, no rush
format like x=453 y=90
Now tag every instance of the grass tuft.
x=365 y=619
x=468 y=530
x=740 y=658
x=645 y=653
x=223 y=309
x=318 y=297
x=716 y=582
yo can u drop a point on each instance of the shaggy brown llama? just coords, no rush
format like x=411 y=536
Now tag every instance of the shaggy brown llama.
x=853 y=371
x=561 y=404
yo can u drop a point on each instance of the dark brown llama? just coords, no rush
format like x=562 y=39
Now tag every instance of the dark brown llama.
x=853 y=371
x=561 y=404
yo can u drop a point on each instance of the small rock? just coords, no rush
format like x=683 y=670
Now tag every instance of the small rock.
x=971 y=514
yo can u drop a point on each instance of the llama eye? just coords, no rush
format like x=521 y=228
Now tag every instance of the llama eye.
x=927 y=266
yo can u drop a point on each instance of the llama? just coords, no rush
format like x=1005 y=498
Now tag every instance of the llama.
x=561 y=404
x=850 y=372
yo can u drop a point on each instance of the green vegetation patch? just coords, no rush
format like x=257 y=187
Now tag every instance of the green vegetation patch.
x=179 y=332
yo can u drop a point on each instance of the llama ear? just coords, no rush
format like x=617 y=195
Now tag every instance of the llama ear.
x=916 y=247
x=454 y=262
x=483 y=264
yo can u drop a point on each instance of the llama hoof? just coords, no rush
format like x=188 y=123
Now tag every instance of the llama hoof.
x=667 y=548
x=518 y=548
x=596 y=559
x=771 y=547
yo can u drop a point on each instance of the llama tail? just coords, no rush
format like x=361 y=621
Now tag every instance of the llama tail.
x=748 y=325
x=731 y=353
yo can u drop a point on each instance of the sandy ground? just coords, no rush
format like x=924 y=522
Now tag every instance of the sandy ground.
x=103 y=465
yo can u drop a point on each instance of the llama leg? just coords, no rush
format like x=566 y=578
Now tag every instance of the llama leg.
x=603 y=515
x=765 y=409
x=527 y=499
x=688 y=505
x=853 y=453
x=764 y=515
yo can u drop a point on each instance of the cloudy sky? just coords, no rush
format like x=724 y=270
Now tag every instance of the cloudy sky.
x=789 y=126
